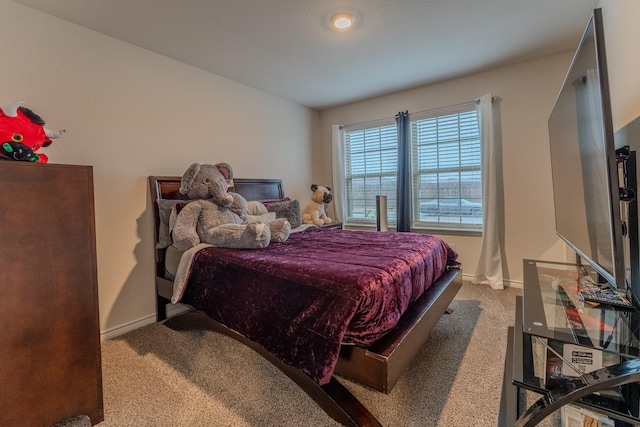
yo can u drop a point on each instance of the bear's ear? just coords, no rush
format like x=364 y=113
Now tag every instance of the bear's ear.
x=314 y=187
x=328 y=188
x=226 y=170
x=188 y=177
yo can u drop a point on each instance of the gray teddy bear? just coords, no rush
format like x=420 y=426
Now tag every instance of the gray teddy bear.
x=216 y=216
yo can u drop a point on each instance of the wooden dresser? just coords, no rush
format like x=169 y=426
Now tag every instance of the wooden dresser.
x=50 y=365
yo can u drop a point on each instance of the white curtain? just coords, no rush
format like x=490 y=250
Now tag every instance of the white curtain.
x=338 y=189
x=489 y=268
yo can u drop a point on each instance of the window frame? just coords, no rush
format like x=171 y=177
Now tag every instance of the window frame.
x=417 y=222
x=370 y=203
x=465 y=166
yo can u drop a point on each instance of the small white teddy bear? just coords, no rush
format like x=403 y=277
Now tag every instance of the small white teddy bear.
x=314 y=212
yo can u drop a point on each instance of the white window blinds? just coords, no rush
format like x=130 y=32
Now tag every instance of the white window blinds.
x=371 y=158
x=447 y=179
x=446 y=169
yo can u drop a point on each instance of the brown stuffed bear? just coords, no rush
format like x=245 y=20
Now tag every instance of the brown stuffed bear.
x=314 y=212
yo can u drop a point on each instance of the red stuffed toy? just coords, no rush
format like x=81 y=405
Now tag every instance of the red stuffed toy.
x=22 y=133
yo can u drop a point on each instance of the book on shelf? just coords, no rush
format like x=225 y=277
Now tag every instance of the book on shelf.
x=575 y=360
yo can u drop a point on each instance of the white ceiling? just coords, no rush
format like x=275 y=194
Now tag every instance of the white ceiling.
x=288 y=48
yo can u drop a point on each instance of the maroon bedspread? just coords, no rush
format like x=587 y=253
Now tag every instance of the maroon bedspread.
x=302 y=298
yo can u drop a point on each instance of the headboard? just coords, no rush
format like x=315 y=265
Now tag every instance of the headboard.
x=167 y=187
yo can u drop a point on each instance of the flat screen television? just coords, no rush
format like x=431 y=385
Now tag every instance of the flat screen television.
x=583 y=161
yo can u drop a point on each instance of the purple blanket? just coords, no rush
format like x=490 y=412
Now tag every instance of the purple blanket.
x=301 y=299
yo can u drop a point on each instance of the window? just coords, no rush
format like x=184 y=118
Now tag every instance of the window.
x=447 y=178
x=446 y=169
x=371 y=159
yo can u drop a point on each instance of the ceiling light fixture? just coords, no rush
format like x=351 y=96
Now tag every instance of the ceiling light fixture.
x=342 y=21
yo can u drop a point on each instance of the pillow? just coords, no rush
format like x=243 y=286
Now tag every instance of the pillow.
x=256 y=208
x=165 y=206
x=288 y=209
x=265 y=217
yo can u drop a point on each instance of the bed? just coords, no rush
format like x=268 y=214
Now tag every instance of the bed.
x=315 y=317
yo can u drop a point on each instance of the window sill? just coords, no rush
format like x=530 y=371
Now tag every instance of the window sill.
x=452 y=231
x=449 y=231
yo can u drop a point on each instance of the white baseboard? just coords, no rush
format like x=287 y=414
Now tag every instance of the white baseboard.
x=172 y=310
x=507 y=283
x=514 y=283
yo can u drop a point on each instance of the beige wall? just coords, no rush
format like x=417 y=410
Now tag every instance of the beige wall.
x=527 y=92
x=622 y=34
x=131 y=113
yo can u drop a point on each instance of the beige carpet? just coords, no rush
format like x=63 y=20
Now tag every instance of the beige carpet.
x=158 y=377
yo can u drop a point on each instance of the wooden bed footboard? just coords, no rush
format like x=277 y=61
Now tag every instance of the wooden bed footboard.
x=378 y=366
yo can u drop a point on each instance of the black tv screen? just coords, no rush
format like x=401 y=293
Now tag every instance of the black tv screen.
x=583 y=160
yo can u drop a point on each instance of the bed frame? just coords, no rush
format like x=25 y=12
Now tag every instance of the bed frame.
x=378 y=366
